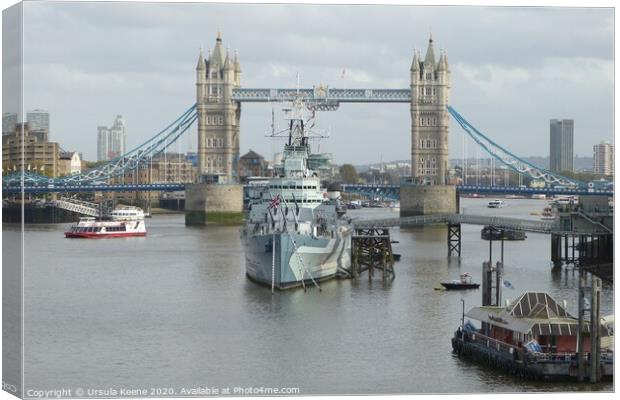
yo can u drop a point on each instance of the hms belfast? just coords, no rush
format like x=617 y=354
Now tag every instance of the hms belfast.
x=295 y=233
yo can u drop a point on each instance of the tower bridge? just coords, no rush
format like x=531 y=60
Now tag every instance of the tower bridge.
x=217 y=112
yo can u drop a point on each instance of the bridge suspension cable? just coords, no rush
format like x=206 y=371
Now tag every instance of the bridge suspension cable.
x=119 y=166
x=512 y=161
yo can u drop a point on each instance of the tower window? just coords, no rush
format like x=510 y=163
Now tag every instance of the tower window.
x=428 y=91
x=429 y=75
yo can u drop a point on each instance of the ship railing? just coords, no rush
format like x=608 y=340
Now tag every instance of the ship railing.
x=522 y=352
x=492 y=343
x=606 y=357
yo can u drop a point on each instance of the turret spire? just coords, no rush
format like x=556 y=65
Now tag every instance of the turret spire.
x=441 y=66
x=218 y=57
x=201 y=60
x=237 y=63
x=415 y=64
x=227 y=62
x=430 y=54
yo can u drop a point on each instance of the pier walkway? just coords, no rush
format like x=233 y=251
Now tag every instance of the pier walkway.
x=507 y=223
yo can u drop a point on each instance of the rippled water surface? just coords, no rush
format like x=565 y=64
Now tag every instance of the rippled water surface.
x=175 y=310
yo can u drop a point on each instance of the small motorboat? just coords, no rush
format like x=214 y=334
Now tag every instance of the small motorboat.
x=464 y=283
x=495 y=203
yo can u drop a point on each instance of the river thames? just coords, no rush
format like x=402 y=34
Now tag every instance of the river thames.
x=174 y=310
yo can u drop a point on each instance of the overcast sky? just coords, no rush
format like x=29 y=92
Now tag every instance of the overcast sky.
x=513 y=69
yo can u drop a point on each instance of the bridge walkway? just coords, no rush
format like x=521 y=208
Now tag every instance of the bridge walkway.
x=507 y=223
x=78 y=206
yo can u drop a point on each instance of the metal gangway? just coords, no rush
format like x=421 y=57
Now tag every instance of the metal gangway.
x=507 y=223
x=78 y=206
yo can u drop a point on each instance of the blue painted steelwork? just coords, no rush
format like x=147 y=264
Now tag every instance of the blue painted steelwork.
x=392 y=192
x=113 y=168
x=160 y=187
x=509 y=159
x=324 y=94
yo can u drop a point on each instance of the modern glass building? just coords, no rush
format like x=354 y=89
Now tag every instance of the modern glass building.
x=39 y=122
x=561 y=145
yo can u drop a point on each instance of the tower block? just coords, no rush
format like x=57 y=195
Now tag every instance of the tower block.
x=428 y=192
x=217 y=197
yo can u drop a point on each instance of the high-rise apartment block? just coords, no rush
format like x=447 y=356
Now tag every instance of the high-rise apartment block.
x=111 y=140
x=23 y=151
x=604 y=158
x=561 y=145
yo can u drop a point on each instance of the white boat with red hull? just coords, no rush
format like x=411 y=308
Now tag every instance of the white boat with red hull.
x=122 y=222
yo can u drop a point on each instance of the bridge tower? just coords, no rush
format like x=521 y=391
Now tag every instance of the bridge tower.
x=428 y=192
x=430 y=92
x=217 y=197
x=218 y=114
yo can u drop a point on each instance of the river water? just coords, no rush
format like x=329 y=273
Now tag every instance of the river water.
x=174 y=310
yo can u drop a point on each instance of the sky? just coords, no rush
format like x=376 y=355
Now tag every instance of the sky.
x=512 y=69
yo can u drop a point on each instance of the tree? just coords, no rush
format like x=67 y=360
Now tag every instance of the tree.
x=348 y=174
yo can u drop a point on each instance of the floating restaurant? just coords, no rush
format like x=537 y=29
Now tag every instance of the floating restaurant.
x=534 y=337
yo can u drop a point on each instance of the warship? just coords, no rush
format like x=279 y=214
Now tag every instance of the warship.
x=296 y=233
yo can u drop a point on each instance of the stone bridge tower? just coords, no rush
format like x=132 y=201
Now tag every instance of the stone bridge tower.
x=218 y=113
x=430 y=91
x=430 y=95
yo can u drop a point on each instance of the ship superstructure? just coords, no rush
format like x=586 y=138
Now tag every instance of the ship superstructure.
x=295 y=234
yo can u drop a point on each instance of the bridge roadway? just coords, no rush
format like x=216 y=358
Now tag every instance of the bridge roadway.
x=380 y=189
x=324 y=94
x=507 y=223
x=487 y=189
x=160 y=187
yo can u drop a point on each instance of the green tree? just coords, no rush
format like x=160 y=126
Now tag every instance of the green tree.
x=348 y=174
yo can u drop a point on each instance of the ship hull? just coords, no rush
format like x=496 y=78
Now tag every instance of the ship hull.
x=93 y=235
x=296 y=264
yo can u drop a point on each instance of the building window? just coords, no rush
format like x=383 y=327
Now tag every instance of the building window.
x=428 y=91
x=429 y=75
x=209 y=142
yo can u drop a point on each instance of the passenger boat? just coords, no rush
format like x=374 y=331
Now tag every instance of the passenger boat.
x=495 y=203
x=539 y=196
x=463 y=283
x=296 y=234
x=122 y=222
x=532 y=337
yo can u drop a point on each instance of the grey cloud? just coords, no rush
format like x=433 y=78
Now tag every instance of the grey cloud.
x=95 y=60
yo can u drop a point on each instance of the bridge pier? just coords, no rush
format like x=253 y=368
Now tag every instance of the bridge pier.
x=454 y=240
x=556 y=250
x=213 y=203
x=427 y=199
